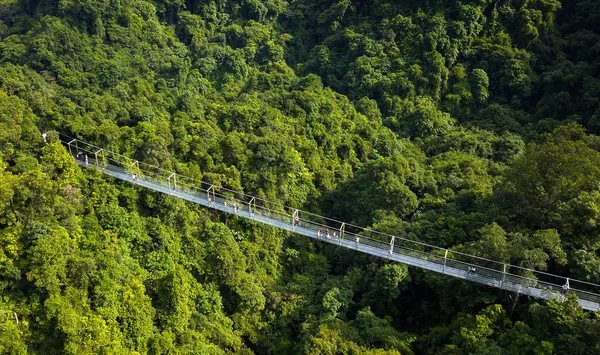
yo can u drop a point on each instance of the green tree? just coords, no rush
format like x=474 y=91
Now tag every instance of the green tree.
x=479 y=84
x=386 y=286
x=548 y=178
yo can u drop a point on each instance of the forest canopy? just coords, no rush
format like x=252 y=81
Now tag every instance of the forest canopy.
x=470 y=125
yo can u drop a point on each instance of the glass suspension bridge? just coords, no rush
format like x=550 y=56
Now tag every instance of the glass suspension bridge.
x=484 y=271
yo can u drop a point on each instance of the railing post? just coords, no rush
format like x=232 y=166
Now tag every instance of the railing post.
x=445 y=258
x=169 y=180
x=134 y=171
x=392 y=246
x=503 y=275
x=342 y=230
x=294 y=217
x=250 y=205
x=208 y=194
x=96 y=156
x=69 y=144
x=566 y=287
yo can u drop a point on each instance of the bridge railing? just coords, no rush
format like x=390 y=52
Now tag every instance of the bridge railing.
x=478 y=269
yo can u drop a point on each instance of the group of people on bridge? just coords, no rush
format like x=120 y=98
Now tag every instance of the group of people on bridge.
x=328 y=235
x=82 y=157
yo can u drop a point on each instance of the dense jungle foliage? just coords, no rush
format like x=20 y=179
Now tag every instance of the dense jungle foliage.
x=471 y=125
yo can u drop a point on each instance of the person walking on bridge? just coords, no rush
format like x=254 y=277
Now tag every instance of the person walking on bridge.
x=565 y=287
